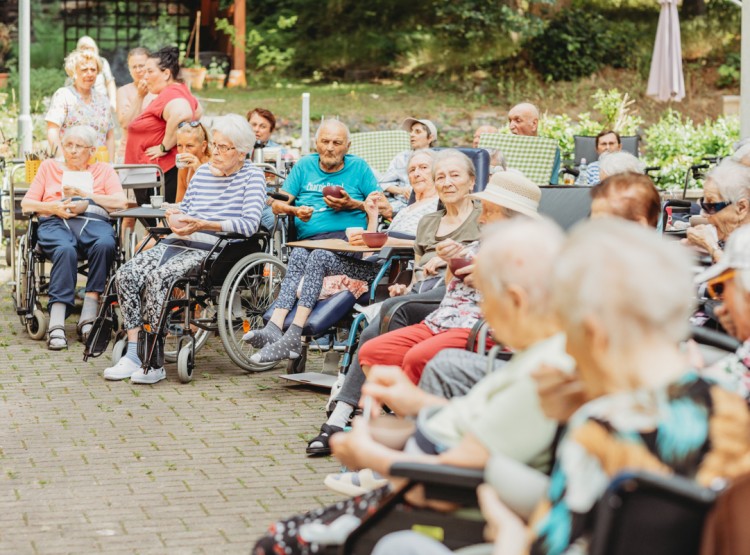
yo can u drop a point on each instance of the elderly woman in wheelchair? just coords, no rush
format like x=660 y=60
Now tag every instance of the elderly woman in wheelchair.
x=225 y=195
x=73 y=199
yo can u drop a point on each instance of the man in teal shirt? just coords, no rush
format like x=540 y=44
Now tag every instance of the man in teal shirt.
x=319 y=217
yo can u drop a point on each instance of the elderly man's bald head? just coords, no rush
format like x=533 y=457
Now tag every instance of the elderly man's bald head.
x=333 y=125
x=332 y=141
x=523 y=119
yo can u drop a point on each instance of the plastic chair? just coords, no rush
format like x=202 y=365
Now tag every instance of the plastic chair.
x=566 y=204
x=378 y=148
x=585 y=147
x=532 y=156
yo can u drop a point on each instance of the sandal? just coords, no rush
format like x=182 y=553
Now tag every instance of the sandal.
x=355 y=483
x=325 y=434
x=79 y=329
x=56 y=346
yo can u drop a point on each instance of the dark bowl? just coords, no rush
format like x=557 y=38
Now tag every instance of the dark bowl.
x=333 y=191
x=456 y=264
x=374 y=239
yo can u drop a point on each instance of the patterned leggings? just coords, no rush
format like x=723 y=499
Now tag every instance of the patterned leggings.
x=314 y=266
x=146 y=274
x=283 y=536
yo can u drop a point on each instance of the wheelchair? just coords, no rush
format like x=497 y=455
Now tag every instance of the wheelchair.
x=31 y=281
x=226 y=294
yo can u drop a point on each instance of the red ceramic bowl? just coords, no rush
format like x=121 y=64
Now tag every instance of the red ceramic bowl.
x=176 y=221
x=457 y=263
x=374 y=240
x=333 y=191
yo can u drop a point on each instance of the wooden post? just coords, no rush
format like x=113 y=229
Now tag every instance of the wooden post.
x=237 y=75
x=197 y=38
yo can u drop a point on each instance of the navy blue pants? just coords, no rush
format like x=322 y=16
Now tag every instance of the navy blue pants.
x=62 y=241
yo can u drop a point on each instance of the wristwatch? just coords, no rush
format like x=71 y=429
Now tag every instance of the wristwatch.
x=162 y=147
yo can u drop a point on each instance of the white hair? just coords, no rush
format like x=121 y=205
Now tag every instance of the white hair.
x=78 y=57
x=612 y=163
x=236 y=129
x=521 y=252
x=425 y=151
x=335 y=123
x=732 y=179
x=636 y=284
x=84 y=133
x=87 y=42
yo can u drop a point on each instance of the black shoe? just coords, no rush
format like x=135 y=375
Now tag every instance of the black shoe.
x=323 y=437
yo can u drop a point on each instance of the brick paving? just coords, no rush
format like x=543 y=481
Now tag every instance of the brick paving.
x=89 y=466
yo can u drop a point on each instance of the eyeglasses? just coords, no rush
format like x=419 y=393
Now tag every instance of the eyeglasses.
x=190 y=123
x=715 y=286
x=74 y=147
x=712 y=208
x=223 y=149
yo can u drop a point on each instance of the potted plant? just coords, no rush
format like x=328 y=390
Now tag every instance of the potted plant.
x=5 y=46
x=193 y=73
x=216 y=75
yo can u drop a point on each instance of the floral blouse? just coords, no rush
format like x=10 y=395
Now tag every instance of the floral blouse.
x=67 y=109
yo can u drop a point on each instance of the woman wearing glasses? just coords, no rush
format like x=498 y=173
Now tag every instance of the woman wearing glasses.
x=152 y=134
x=726 y=205
x=192 y=152
x=227 y=194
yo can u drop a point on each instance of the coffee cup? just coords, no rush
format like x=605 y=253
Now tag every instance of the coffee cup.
x=156 y=201
x=352 y=230
x=180 y=161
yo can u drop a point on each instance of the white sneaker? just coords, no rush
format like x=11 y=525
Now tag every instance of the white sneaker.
x=154 y=375
x=124 y=368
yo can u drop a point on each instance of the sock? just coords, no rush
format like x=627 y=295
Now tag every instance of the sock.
x=260 y=338
x=289 y=346
x=57 y=318
x=341 y=415
x=88 y=312
x=132 y=352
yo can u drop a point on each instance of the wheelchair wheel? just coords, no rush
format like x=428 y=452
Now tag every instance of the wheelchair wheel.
x=171 y=341
x=249 y=289
x=186 y=361
x=36 y=326
x=20 y=284
x=119 y=349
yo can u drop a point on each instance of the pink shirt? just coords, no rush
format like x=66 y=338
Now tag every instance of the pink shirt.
x=47 y=185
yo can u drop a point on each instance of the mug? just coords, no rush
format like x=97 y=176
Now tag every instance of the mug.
x=156 y=201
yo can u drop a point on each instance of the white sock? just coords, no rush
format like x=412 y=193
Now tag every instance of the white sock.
x=88 y=312
x=341 y=415
x=57 y=318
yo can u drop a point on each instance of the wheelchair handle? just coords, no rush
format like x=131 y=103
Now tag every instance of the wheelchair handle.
x=279 y=196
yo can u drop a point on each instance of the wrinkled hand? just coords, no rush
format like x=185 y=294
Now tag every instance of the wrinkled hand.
x=388 y=385
x=190 y=160
x=504 y=527
x=385 y=208
x=171 y=210
x=192 y=225
x=560 y=393
x=448 y=248
x=397 y=289
x=63 y=209
x=304 y=213
x=467 y=272
x=703 y=236
x=154 y=152
x=356 y=449
x=371 y=204
x=433 y=265
x=356 y=240
x=725 y=319
x=69 y=191
x=344 y=203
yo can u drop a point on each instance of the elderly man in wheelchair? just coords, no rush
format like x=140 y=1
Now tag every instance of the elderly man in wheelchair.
x=73 y=199
x=225 y=195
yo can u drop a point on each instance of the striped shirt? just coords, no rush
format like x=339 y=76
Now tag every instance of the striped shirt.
x=236 y=200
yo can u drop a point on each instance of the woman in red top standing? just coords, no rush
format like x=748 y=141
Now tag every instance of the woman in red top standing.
x=152 y=135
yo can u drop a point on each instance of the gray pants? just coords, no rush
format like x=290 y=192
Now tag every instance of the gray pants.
x=410 y=314
x=407 y=542
x=453 y=372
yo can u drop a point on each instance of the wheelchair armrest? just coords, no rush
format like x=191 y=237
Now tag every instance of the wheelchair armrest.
x=385 y=321
x=440 y=475
x=713 y=338
x=159 y=230
x=388 y=252
x=231 y=235
x=678 y=203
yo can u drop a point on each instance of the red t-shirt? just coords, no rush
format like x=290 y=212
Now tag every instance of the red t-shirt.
x=47 y=185
x=149 y=128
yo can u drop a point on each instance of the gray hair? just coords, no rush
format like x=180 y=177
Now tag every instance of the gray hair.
x=522 y=252
x=326 y=122
x=732 y=178
x=635 y=283
x=425 y=151
x=84 y=133
x=77 y=57
x=612 y=163
x=450 y=154
x=236 y=129
x=87 y=42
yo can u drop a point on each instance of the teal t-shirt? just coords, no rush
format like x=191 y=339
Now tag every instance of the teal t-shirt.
x=306 y=182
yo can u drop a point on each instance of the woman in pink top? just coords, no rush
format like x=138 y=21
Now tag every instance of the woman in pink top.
x=152 y=135
x=68 y=229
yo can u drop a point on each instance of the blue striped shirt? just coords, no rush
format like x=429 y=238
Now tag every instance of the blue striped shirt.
x=236 y=200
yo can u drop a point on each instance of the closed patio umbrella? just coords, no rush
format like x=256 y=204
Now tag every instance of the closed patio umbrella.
x=665 y=81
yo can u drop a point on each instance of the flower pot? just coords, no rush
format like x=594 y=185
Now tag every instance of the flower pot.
x=4 y=79
x=216 y=81
x=194 y=76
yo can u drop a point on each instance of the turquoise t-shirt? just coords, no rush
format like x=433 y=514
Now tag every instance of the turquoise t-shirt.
x=306 y=182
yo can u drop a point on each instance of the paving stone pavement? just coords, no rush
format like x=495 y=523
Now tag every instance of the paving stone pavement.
x=89 y=466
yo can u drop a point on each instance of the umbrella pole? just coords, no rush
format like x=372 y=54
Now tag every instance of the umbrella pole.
x=745 y=73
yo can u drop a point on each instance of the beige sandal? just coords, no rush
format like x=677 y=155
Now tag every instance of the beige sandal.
x=355 y=483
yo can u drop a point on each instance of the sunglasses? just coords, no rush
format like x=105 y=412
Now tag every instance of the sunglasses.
x=190 y=123
x=712 y=208
x=715 y=286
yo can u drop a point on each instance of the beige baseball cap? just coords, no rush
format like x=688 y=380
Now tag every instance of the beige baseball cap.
x=408 y=122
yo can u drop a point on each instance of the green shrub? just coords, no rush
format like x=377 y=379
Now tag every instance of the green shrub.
x=44 y=82
x=729 y=71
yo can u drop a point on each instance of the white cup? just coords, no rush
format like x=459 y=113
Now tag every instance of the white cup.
x=179 y=161
x=351 y=230
x=156 y=201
